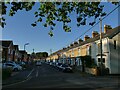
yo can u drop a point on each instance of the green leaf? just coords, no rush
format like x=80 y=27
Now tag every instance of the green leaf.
x=39 y=20
x=97 y=15
x=78 y=24
x=103 y=14
x=36 y=13
x=50 y=33
x=92 y=23
x=83 y=22
x=79 y=19
x=45 y=25
x=51 y=28
x=3 y=18
x=33 y=24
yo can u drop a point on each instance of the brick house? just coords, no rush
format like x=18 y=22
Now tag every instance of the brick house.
x=23 y=55
x=7 y=49
x=16 y=53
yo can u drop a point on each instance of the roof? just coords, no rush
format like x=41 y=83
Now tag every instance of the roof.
x=6 y=43
x=110 y=34
x=22 y=51
x=16 y=47
x=113 y=32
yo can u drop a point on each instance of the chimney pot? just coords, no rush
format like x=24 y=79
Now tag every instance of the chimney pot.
x=94 y=34
x=86 y=37
x=106 y=28
x=75 y=42
x=80 y=40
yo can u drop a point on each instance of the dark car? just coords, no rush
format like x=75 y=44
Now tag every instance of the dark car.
x=58 y=65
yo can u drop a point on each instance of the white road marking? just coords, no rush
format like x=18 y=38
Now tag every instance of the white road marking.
x=30 y=73
x=37 y=73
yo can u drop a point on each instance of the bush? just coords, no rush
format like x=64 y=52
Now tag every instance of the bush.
x=6 y=72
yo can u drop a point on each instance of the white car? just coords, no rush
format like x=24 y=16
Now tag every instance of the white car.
x=14 y=66
x=38 y=63
x=65 y=68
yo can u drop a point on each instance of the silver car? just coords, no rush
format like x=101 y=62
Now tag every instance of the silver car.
x=14 y=66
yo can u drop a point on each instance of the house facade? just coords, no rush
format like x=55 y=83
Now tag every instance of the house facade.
x=91 y=47
x=16 y=53
x=23 y=55
x=7 y=50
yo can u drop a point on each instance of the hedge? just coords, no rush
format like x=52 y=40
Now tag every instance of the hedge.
x=6 y=72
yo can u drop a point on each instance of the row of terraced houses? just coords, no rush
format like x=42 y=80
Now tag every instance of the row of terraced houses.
x=9 y=51
x=90 y=46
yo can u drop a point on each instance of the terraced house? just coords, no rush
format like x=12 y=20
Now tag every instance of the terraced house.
x=90 y=46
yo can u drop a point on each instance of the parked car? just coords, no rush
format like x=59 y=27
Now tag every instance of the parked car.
x=65 y=68
x=50 y=63
x=53 y=64
x=14 y=66
x=38 y=63
x=23 y=64
x=58 y=65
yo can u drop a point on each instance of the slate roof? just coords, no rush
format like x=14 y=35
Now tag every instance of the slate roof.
x=110 y=34
x=22 y=51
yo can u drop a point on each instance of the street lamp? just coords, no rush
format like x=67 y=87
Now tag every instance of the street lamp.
x=25 y=45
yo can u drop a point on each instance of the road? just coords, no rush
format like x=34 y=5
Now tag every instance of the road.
x=46 y=76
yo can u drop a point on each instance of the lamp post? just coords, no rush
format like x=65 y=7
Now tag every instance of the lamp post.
x=25 y=45
x=24 y=50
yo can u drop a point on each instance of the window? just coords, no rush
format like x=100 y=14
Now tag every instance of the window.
x=79 y=51
x=89 y=50
x=114 y=44
x=103 y=60
x=98 y=59
x=72 y=53
x=99 y=48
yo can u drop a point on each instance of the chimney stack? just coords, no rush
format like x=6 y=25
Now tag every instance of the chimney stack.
x=86 y=37
x=94 y=34
x=71 y=44
x=106 y=28
x=75 y=43
x=80 y=40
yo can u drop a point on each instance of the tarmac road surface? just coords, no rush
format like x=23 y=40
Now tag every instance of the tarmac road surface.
x=46 y=76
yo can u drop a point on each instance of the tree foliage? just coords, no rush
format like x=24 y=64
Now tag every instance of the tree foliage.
x=57 y=11
x=41 y=54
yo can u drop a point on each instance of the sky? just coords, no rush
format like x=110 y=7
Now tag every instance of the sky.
x=20 y=31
